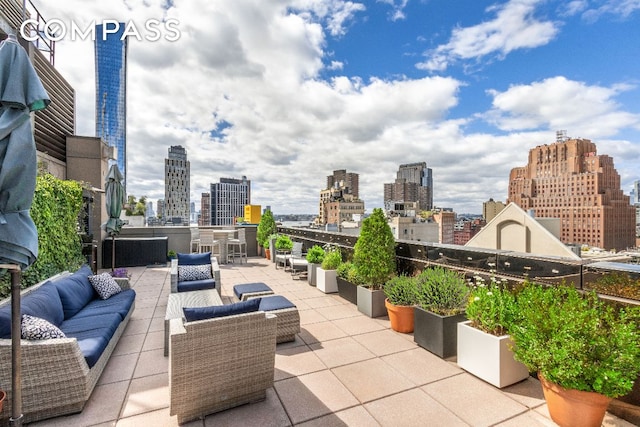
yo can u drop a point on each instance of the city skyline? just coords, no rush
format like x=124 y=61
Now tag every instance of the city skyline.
x=286 y=92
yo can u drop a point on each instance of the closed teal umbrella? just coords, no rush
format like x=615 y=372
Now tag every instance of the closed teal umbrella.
x=21 y=92
x=115 y=197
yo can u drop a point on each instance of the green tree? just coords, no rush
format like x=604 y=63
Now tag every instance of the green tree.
x=136 y=207
x=374 y=254
x=266 y=227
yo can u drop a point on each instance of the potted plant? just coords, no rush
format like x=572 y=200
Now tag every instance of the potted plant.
x=171 y=255
x=271 y=244
x=484 y=343
x=401 y=293
x=348 y=281
x=442 y=297
x=267 y=249
x=585 y=351
x=374 y=257
x=315 y=255
x=266 y=227
x=326 y=273
x=284 y=243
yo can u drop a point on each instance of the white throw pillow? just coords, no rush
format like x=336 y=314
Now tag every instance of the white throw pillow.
x=35 y=328
x=187 y=273
x=105 y=285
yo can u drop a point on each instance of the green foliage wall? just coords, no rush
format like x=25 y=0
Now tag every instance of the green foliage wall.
x=55 y=209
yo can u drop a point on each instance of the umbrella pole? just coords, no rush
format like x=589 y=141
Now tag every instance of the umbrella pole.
x=113 y=253
x=16 y=354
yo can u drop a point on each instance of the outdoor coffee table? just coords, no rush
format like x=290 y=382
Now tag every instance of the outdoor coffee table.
x=178 y=300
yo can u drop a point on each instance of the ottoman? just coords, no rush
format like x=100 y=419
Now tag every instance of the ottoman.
x=288 y=324
x=250 y=290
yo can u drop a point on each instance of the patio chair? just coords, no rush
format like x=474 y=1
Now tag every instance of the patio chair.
x=207 y=242
x=194 y=246
x=240 y=243
x=297 y=261
x=193 y=272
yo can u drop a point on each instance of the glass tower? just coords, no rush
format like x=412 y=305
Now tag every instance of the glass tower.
x=111 y=91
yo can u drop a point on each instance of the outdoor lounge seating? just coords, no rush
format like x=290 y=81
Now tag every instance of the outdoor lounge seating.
x=192 y=272
x=59 y=374
x=251 y=290
x=218 y=363
x=287 y=314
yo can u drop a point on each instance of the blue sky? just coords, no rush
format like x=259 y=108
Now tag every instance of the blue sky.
x=286 y=91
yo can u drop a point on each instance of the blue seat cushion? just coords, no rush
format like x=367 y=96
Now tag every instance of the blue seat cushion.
x=191 y=314
x=93 y=333
x=194 y=259
x=245 y=288
x=75 y=291
x=196 y=285
x=43 y=302
x=119 y=303
x=275 y=302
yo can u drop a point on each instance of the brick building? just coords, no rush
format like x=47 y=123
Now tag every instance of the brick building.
x=570 y=181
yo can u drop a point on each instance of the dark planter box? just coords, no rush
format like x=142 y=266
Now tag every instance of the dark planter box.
x=438 y=334
x=135 y=252
x=347 y=290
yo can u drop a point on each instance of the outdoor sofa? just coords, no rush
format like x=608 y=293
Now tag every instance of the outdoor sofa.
x=59 y=374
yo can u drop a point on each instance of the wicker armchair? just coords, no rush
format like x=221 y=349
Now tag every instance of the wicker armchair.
x=215 y=273
x=216 y=364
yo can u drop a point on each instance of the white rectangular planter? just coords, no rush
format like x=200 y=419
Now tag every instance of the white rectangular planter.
x=326 y=280
x=488 y=357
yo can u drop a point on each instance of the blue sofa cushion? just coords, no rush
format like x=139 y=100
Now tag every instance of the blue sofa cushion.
x=43 y=302
x=120 y=303
x=196 y=285
x=93 y=333
x=248 y=288
x=36 y=328
x=191 y=314
x=194 y=259
x=275 y=302
x=75 y=291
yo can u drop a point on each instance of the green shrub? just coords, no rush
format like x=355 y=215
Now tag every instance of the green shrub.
x=374 y=254
x=491 y=308
x=284 y=243
x=442 y=291
x=332 y=259
x=315 y=254
x=401 y=290
x=266 y=227
x=577 y=341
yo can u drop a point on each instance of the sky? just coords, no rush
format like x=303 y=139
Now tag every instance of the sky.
x=285 y=92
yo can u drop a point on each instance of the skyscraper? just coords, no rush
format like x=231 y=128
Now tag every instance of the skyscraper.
x=339 y=201
x=414 y=183
x=570 y=181
x=177 y=187
x=228 y=198
x=205 y=209
x=111 y=91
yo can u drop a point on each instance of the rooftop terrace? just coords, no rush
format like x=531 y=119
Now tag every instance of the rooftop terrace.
x=344 y=369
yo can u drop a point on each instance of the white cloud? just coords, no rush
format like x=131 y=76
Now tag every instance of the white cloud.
x=559 y=103
x=620 y=8
x=513 y=28
x=397 y=8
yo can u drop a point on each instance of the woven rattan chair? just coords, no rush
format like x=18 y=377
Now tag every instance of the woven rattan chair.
x=216 y=364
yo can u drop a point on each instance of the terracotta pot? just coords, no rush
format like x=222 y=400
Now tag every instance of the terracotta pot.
x=3 y=396
x=400 y=316
x=267 y=253
x=574 y=408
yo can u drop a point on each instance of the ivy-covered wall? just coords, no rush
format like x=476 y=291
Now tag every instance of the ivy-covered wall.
x=55 y=209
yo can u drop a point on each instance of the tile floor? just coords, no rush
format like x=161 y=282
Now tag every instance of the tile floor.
x=344 y=369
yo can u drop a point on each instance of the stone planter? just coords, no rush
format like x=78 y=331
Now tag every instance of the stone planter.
x=371 y=302
x=438 y=334
x=347 y=290
x=326 y=280
x=312 y=273
x=488 y=357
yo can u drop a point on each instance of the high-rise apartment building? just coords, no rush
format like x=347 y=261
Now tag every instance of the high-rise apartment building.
x=111 y=91
x=228 y=198
x=160 y=205
x=347 y=182
x=570 y=181
x=339 y=201
x=491 y=208
x=177 y=172
x=205 y=209
x=414 y=183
